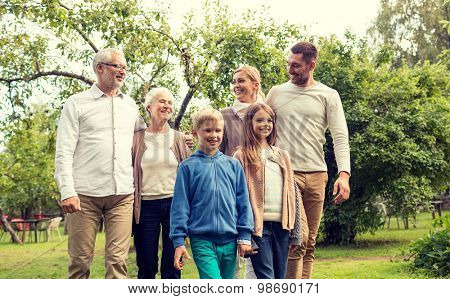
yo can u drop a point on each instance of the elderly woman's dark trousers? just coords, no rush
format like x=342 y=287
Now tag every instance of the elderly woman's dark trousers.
x=154 y=218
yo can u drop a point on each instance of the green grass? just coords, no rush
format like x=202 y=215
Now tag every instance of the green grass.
x=373 y=256
x=378 y=255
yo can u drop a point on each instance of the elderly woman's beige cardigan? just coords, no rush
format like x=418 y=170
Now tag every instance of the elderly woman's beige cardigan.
x=179 y=148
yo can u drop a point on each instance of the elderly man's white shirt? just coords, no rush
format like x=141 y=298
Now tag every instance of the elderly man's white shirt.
x=93 y=145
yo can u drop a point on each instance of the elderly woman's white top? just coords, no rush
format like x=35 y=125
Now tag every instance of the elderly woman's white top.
x=159 y=166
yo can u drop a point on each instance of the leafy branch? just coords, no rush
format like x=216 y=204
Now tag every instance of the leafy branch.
x=40 y=74
x=74 y=26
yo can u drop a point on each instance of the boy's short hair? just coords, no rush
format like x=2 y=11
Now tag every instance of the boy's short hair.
x=204 y=115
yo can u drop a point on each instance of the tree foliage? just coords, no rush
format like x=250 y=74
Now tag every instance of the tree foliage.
x=59 y=49
x=26 y=165
x=413 y=28
x=59 y=41
x=211 y=48
x=399 y=135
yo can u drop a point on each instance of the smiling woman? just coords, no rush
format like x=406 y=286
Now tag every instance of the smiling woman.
x=246 y=87
x=157 y=151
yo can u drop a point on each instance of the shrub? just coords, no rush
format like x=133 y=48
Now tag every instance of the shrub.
x=432 y=252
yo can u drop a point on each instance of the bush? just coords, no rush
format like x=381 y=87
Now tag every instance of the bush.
x=432 y=252
x=398 y=126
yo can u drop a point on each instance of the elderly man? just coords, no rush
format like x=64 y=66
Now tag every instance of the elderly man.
x=305 y=108
x=93 y=167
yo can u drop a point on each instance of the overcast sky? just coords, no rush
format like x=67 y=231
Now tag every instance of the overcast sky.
x=323 y=17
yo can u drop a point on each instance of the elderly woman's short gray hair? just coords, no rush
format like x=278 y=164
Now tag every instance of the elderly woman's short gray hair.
x=151 y=95
x=104 y=55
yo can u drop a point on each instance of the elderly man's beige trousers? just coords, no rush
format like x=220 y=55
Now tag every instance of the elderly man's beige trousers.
x=312 y=186
x=82 y=229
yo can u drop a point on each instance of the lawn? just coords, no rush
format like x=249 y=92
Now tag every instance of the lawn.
x=373 y=256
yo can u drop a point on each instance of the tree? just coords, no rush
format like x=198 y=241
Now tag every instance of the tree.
x=26 y=165
x=8 y=228
x=51 y=43
x=413 y=28
x=399 y=135
x=206 y=52
x=211 y=50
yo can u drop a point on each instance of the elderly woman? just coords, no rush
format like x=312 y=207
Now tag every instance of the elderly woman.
x=157 y=152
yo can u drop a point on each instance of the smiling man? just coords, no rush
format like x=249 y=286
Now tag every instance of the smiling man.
x=305 y=108
x=93 y=167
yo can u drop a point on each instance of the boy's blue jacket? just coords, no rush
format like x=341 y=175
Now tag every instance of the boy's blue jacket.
x=210 y=200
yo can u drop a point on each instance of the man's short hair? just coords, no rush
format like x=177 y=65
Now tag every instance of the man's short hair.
x=104 y=55
x=308 y=50
x=204 y=115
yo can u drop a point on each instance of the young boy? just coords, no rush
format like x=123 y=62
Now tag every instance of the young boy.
x=210 y=204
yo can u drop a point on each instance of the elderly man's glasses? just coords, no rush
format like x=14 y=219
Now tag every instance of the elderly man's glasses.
x=116 y=66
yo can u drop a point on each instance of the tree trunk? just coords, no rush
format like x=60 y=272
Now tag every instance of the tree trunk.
x=29 y=212
x=183 y=107
x=9 y=228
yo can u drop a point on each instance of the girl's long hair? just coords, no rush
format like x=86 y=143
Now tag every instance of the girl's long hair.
x=250 y=145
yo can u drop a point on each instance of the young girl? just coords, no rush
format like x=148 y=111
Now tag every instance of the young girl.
x=272 y=193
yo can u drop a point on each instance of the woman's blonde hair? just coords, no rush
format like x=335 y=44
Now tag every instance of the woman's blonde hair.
x=254 y=75
x=250 y=145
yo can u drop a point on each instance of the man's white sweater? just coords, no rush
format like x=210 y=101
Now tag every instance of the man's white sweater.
x=303 y=115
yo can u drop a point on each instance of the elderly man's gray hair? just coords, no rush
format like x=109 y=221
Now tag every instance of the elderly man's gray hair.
x=104 y=55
